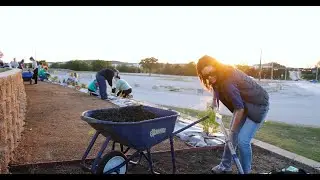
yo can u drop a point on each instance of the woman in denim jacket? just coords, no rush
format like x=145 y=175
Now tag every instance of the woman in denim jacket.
x=245 y=98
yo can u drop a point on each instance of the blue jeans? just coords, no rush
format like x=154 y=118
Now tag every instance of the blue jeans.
x=241 y=139
x=102 y=86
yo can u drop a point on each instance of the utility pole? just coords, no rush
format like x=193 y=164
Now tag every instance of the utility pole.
x=272 y=71
x=317 y=72
x=285 y=73
x=260 y=65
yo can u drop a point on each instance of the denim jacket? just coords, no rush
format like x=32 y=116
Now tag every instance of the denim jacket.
x=239 y=91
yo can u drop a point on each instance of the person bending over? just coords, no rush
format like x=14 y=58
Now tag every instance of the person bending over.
x=93 y=87
x=105 y=75
x=122 y=87
x=245 y=98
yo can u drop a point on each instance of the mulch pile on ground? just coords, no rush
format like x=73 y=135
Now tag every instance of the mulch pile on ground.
x=128 y=114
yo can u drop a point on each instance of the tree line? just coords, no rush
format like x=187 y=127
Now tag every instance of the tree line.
x=152 y=65
x=148 y=65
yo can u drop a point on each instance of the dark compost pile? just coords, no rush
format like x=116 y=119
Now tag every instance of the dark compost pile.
x=127 y=114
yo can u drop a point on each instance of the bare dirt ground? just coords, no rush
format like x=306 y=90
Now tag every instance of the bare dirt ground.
x=54 y=130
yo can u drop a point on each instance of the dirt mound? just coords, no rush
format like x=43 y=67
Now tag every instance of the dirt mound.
x=128 y=114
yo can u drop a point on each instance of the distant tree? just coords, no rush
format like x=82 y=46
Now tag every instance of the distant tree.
x=249 y=70
x=178 y=69
x=189 y=69
x=167 y=69
x=55 y=65
x=149 y=64
x=76 y=65
x=97 y=65
x=129 y=69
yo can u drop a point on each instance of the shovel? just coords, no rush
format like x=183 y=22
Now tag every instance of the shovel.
x=229 y=143
x=218 y=117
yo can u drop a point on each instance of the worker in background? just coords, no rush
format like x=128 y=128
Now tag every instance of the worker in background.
x=43 y=73
x=105 y=75
x=35 y=70
x=14 y=63
x=21 y=64
x=122 y=88
x=93 y=88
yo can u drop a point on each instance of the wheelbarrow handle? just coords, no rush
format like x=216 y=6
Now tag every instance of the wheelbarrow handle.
x=192 y=124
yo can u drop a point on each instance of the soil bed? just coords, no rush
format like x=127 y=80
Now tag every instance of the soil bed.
x=187 y=162
x=127 y=114
x=54 y=130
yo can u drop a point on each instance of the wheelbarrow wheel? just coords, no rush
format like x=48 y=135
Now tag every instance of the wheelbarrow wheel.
x=112 y=160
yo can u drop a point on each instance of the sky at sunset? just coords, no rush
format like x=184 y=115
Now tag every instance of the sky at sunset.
x=234 y=35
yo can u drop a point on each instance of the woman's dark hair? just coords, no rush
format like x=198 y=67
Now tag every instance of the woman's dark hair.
x=221 y=70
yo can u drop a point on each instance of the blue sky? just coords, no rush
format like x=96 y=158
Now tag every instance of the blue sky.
x=288 y=35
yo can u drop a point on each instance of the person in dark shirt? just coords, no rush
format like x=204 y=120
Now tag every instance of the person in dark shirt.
x=244 y=97
x=105 y=75
x=21 y=64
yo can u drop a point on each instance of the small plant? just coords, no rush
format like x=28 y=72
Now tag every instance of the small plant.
x=55 y=79
x=84 y=86
x=210 y=125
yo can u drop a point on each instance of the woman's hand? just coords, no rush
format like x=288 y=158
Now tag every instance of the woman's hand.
x=237 y=117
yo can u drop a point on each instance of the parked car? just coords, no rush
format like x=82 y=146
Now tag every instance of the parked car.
x=5 y=65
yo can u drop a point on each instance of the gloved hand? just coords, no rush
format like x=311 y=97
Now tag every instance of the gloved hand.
x=213 y=105
x=113 y=90
x=233 y=136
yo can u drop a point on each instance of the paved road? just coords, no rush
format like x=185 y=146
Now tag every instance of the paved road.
x=296 y=103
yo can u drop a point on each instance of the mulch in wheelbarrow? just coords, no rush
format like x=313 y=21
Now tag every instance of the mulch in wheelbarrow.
x=187 y=162
x=132 y=114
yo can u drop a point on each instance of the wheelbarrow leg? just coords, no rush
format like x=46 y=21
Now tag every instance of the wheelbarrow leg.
x=113 y=145
x=93 y=140
x=98 y=157
x=137 y=162
x=172 y=156
x=150 y=162
x=121 y=147
x=83 y=160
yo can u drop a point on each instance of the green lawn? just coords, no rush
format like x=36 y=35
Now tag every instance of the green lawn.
x=301 y=140
x=4 y=69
